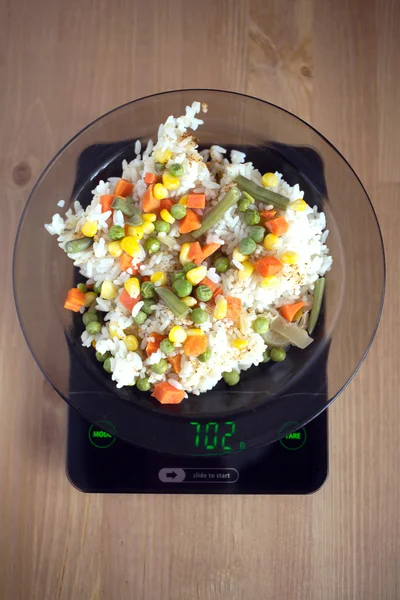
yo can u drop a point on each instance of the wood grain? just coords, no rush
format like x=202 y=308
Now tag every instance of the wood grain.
x=334 y=64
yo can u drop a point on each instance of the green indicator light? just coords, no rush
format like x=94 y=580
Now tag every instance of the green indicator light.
x=294 y=440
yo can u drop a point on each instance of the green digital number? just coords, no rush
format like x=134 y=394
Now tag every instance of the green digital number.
x=211 y=439
x=232 y=425
x=212 y=446
x=197 y=438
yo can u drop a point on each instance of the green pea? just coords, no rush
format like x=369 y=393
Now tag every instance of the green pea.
x=89 y=317
x=107 y=365
x=147 y=290
x=148 y=306
x=176 y=170
x=203 y=293
x=178 y=211
x=244 y=204
x=152 y=245
x=159 y=167
x=257 y=233
x=252 y=217
x=218 y=254
x=140 y=318
x=231 y=377
x=78 y=245
x=160 y=367
x=247 y=246
x=177 y=275
x=222 y=264
x=93 y=327
x=82 y=287
x=102 y=357
x=198 y=316
x=261 y=325
x=182 y=287
x=97 y=287
x=206 y=355
x=266 y=356
x=277 y=354
x=167 y=346
x=116 y=233
x=189 y=266
x=143 y=384
x=162 y=226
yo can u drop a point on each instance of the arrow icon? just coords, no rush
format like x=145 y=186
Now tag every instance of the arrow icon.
x=170 y=475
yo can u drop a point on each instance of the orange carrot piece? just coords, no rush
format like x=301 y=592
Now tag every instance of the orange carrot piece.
x=123 y=188
x=190 y=222
x=267 y=214
x=195 y=345
x=149 y=203
x=166 y=203
x=269 y=265
x=234 y=308
x=175 y=362
x=166 y=393
x=127 y=301
x=288 y=311
x=195 y=253
x=196 y=200
x=154 y=346
x=150 y=178
x=75 y=299
x=209 y=249
x=277 y=225
x=217 y=292
x=106 y=202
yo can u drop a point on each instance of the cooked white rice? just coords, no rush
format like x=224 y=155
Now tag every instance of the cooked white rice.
x=211 y=173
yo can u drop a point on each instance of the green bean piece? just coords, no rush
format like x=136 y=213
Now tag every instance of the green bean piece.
x=125 y=206
x=189 y=266
x=140 y=318
x=160 y=367
x=172 y=301
x=147 y=290
x=116 y=233
x=82 y=287
x=89 y=317
x=257 y=233
x=231 y=377
x=159 y=167
x=277 y=354
x=78 y=245
x=143 y=384
x=222 y=264
x=107 y=365
x=182 y=287
x=102 y=357
x=216 y=212
x=252 y=217
x=176 y=170
x=203 y=293
x=199 y=316
x=167 y=346
x=247 y=246
x=97 y=287
x=260 y=325
x=136 y=218
x=93 y=327
x=266 y=356
x=148 y=306
x=319 y=288
x=178 y=211
x=152 y=245
x=261 y=194
x=206 y=355
x=162 y=226
x=177 y=275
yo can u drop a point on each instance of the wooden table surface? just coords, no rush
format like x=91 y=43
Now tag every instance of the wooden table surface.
x=335 y=64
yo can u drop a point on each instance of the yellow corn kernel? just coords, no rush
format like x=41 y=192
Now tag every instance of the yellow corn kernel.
x=131 y=343
x=149 y=217
x=135 y=231
x=247 y=270
x=183 y=254
x=240 y=344
x=289 y=258
x=115 y=330
x=166 y=216
x=132 y=286
x=114 y=248
x=131 y=246
x=194 y=276
x=90 y=297
x=177 y=335
x=271 y=241
x=194 y=332
x=170 y=181
x=269 y=180
x=108 y=290
x=162 y=156
x=89 y=229
x=159 y=191
x=299 y=205
x=158 y=278
x=148 y=228
x=236 y=255
x=94 y=343
x=221 y=308
x=184 y=200
x=270 y=281
x=189 y=301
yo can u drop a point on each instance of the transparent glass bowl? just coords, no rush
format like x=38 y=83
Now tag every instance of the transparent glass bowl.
x=268 y=396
